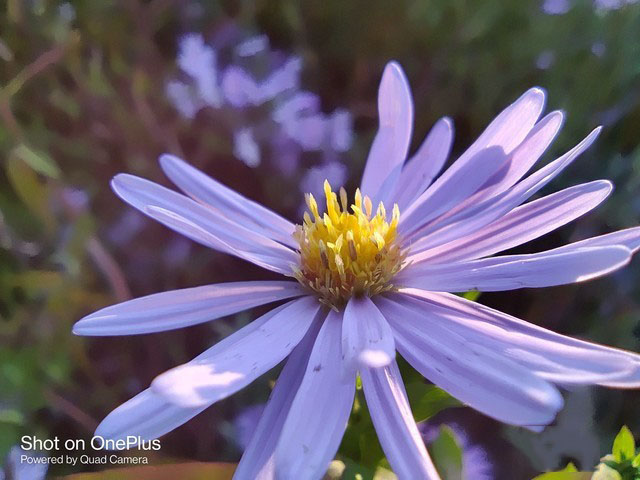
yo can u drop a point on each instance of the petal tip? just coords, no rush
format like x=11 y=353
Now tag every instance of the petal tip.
x=536 y=97
x=77 y=329
x=538 y=92
x=393 y=66
x=394 y=80
x=168 y=160
x=121 y=182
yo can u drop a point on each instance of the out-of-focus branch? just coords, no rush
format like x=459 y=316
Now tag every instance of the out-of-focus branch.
x=41 y=63
x=110 y=269
x=7 y=116
x=72 y=411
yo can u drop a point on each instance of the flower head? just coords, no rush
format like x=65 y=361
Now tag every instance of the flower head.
x=385 y=264
x=345 y=254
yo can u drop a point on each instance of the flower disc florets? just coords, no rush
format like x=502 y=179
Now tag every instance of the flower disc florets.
x=344 y=254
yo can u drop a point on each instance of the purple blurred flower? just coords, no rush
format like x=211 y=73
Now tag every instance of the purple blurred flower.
x=286 y=154
x=267 y=104
x=475 y=461
x=370 y=283
x=598 y=49
x=283 y=79
x=556 y=7
x=312 y=182
x=245 y=424
x=341 y=130
x=17 y=469
x=239 y=89
x=608 y=5
x=246 y=148
x=183 y=98
x=545 y=60
x=198 y=60
x=252 y=46
x=297 y=105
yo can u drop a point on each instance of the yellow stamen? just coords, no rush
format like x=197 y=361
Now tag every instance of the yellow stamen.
x=344 y=254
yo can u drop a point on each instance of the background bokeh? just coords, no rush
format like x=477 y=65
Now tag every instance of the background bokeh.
x=93 y=88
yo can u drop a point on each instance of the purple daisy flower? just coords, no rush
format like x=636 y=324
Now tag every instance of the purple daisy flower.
x=364 y=282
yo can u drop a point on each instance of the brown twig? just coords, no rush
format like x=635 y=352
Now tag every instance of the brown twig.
x=110 y=268
x=41 y=63
x=69 y=409
x=7 y=116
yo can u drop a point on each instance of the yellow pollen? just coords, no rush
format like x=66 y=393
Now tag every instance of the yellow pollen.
x=345 y=254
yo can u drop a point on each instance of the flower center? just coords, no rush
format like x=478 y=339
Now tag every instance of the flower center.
x=344 y=254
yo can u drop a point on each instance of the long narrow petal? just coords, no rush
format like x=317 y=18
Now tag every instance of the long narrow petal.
x=474 y=374
x=512 y=125
x=393 y=420
x=519 y=226
x=629 y=237
x=519 y=161
x=258 y=460
x=276 y=260
x=182 y=308
x=551 y=356
x=511 y=272
x=390 y=146
x=476 y=216
x=240 y=358
x=452 y=187
x=504 y=134
x=367 y=339
x=198 y=222
x=227 y=201
x=524 y=156
x=147 y=415
x=318 y=416
x=420 y=170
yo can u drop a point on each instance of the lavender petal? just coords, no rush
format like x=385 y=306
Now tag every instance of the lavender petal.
x=258 y=460
x=182 y=308
x=420 y=170
x=549 y=355
x=391 y=415
x=511 y=272
x=478 y=376
x=367 y=339
x=239 y=359
x=211 y=192
x=147 y=415
x=390 y=146
x=318 y=416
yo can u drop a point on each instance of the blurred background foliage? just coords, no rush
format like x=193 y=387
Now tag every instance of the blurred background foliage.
x=84 y=96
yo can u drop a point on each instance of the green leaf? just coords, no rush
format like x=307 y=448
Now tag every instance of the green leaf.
x=447 y=455
x=636 y=461
x=471 y=295
x=624 y=447
x=570 y=472
x=36 y=281
x=183 y=471
x=31 y=190
x=39 y=161
x=427 y=400
x=12 y=416
x=354 y=470
x=563 y=475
